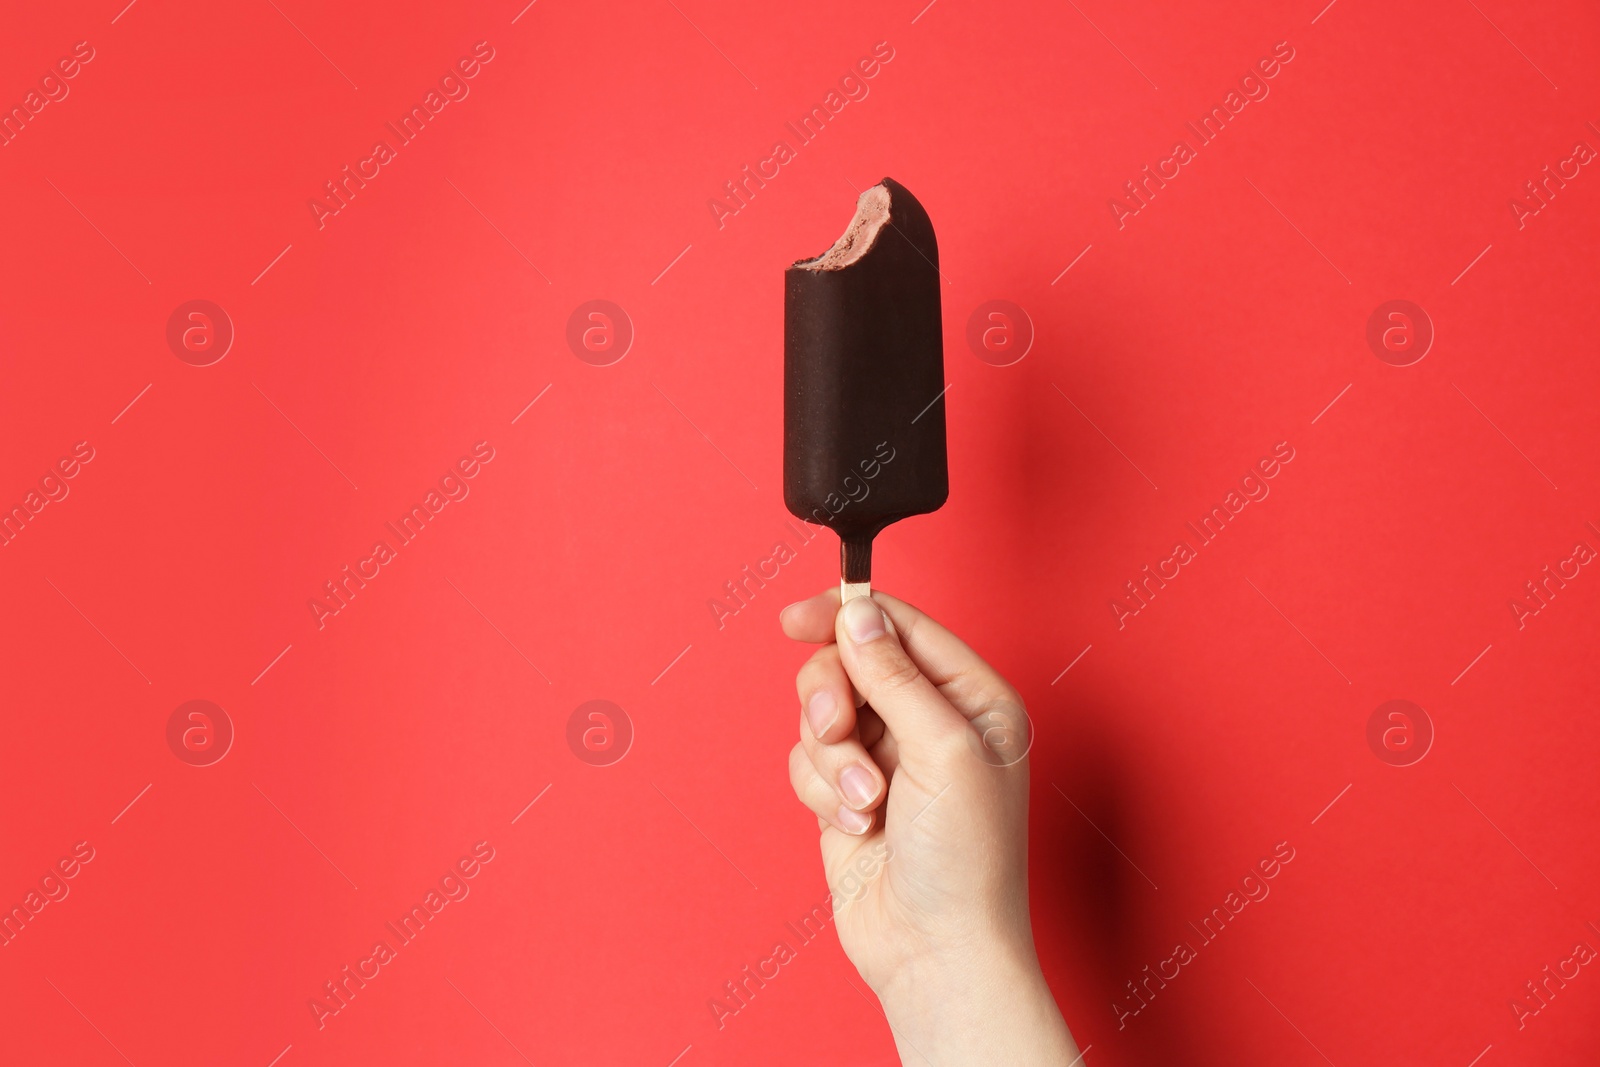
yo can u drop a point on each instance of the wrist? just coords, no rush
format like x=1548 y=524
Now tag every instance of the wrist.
x=983 y=1008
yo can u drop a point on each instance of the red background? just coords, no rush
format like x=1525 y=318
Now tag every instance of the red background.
x=1222 y=719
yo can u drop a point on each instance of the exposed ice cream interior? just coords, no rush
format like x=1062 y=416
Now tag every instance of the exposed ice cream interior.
x=872 y=211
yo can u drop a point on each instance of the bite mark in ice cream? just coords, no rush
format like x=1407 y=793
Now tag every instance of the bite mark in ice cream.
x=872 y=211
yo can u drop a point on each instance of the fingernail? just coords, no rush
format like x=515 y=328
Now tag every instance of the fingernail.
x=863 y=621
x=853 y=822
x=821 y=710
x=858 y=785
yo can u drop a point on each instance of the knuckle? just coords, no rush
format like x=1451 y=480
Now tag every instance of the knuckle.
x=800 y=768
x=805 y=678
x=896 y=673
x=985 y=693
x=819 y=670
x=1004 y=703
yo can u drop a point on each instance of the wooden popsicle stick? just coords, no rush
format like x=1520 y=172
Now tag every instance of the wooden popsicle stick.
x=850 y=590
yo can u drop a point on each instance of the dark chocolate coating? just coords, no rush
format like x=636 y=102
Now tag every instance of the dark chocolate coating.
x=863 y=378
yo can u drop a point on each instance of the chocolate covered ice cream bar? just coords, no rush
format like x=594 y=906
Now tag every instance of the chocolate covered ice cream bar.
x=863 y=379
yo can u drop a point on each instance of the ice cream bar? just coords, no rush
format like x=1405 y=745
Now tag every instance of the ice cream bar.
x=863 y=379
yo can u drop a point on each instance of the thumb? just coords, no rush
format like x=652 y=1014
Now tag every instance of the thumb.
x=920 y=718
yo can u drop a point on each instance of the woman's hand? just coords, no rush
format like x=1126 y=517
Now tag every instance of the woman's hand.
x=921 y=794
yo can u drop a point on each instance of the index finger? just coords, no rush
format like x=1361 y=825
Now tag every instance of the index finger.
x=811 y=620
